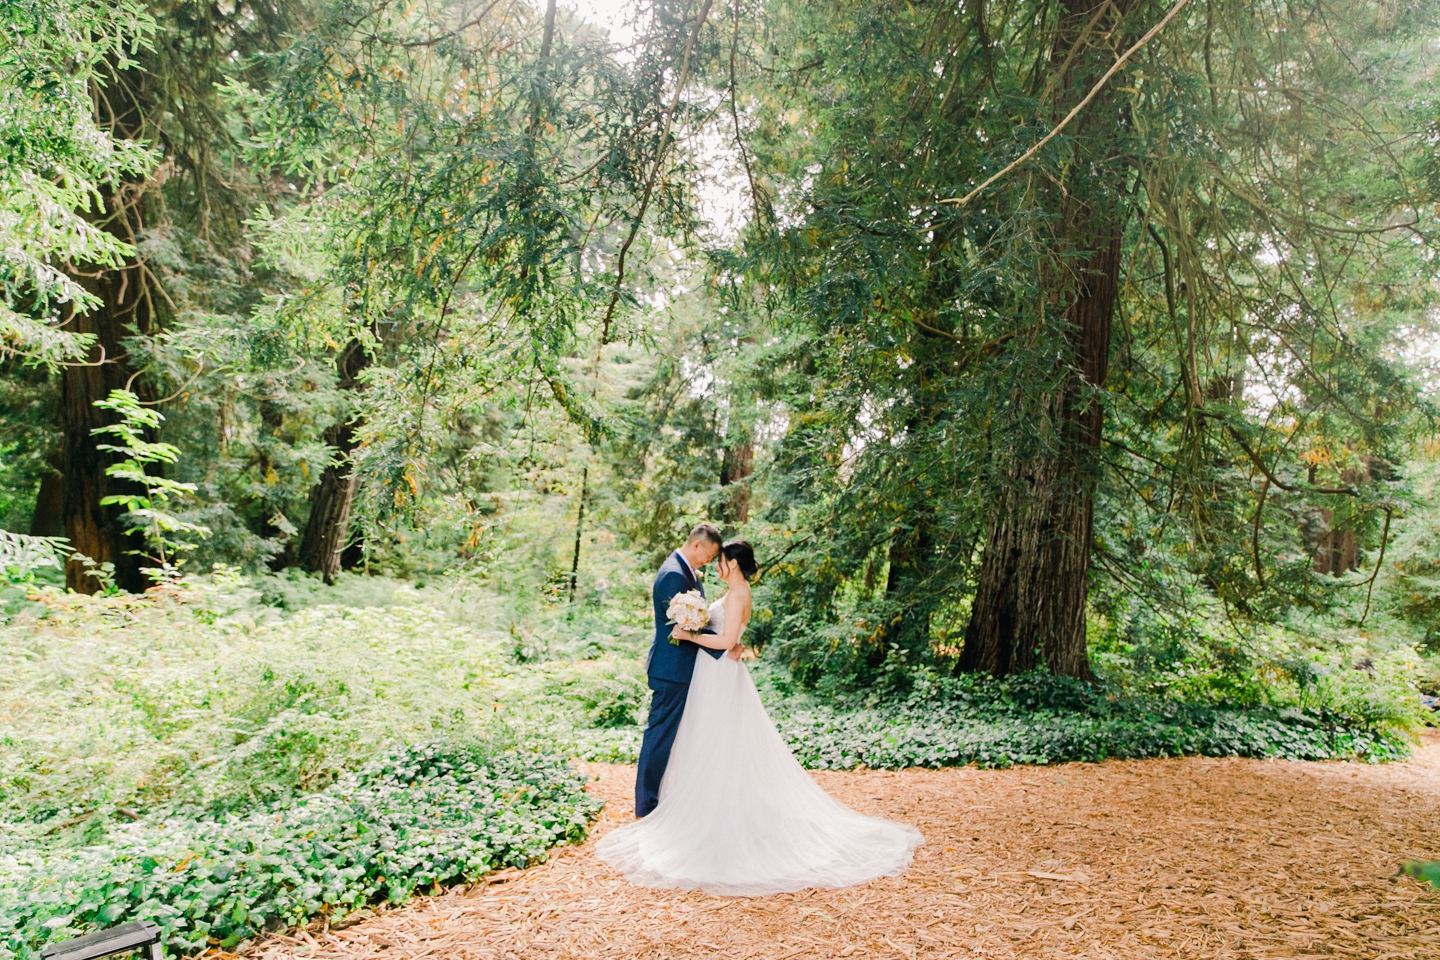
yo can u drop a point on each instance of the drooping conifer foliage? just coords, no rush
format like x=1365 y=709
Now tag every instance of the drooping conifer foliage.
x=1056 y=327
x=1061 y=335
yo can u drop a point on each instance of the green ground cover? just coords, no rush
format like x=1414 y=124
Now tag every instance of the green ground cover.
x=241 y=756
x=414 y=819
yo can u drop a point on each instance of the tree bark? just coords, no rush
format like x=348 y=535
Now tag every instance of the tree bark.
x=735 y=470
x=326 y=531
x=48 y=518
x=127 y=309
x=1029 y=606
x=93 y=530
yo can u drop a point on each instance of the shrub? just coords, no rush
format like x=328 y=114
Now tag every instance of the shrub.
x=958 y=734
x=1041 y=720
x=418 y=817
x=214 y=698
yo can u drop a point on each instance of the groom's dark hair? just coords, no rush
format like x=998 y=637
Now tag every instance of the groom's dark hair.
x=705 y=531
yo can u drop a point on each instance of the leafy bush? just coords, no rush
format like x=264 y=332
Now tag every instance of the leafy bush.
x=1041 y=719
x=213 y=698
x=613 y=694
x=419 y=816
x=1428 y=871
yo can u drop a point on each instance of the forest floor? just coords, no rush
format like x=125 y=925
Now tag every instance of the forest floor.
x=1196 y=857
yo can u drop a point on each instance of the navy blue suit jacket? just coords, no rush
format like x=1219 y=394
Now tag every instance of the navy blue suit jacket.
x=666 y=661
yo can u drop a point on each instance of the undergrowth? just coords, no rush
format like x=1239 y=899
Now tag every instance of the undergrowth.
x=1039 y=719
x=228 y=759
x=417 y=818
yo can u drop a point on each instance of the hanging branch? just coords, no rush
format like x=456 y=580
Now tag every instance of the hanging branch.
x=1187 y=367
x=654 y=172
x=1094 y=92
x=1379 y=562
x=544 y=61
x=1255 y=535
x=1260 y=465
x=788 y=550
x=735 y=116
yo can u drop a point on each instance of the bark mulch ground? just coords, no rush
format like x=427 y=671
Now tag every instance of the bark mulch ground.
x=1197 y=857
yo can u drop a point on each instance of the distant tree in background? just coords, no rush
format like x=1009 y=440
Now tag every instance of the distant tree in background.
x=160 y=96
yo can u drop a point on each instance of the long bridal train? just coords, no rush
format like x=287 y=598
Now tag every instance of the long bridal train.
x=739 y=816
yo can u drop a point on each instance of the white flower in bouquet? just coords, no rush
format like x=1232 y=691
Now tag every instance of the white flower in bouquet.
x=688 y=611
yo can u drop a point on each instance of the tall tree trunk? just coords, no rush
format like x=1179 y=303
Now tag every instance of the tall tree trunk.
x=579 y=531
x=1029 y=606
x=93 y=530
x=48 y=518
x=328 y=528
x=735 y=469
x=126 y=309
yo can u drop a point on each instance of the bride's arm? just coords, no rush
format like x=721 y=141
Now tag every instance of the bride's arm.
x=717 y=641
x=714 y=641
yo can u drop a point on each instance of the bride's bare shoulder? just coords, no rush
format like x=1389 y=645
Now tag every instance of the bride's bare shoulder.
x=738 y=600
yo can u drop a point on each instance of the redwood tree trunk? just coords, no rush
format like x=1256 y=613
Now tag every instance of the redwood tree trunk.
x=735 y=470
x=328 y=529
x=1029 y=606
x=48 y=520
x=127 y=309
x=93 y=530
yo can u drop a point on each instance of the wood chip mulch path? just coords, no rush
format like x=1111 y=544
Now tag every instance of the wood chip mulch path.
x=1197 y=857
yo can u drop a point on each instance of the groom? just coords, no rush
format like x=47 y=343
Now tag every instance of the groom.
x=669 y=666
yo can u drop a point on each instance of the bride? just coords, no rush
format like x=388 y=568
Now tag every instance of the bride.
x=738 y=816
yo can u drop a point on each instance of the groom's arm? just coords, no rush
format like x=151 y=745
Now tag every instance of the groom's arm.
x=666 y=589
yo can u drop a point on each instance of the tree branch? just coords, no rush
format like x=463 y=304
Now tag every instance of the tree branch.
x=1255 y=535
x=1094 y=92
x=654 y=173
x=1260 y=465
x=1380 y=560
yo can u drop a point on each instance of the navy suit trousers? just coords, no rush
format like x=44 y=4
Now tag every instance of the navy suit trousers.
x=667 y=706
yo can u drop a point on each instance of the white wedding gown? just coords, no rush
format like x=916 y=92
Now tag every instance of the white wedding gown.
x=738 y=815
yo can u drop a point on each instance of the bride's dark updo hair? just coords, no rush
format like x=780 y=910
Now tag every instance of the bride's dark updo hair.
x=739 y=552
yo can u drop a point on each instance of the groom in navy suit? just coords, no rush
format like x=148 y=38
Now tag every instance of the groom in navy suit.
x=669 y=666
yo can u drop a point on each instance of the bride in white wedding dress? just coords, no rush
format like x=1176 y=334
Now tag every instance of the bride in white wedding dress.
x=738 y=815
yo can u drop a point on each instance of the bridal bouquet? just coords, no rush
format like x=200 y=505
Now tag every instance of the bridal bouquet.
x=688 y=612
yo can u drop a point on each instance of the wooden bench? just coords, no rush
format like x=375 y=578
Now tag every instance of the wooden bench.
x=104 y=943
